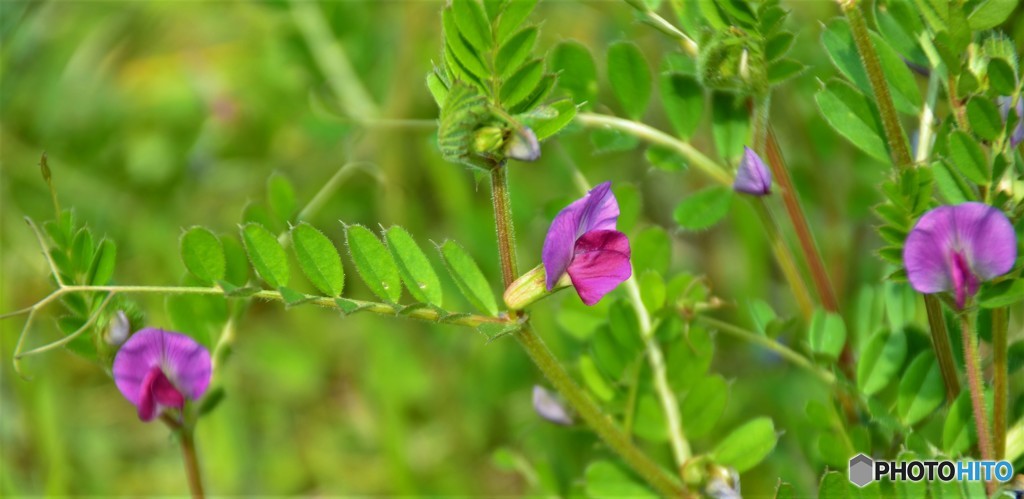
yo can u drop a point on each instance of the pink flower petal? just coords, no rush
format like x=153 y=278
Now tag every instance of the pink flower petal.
x=600 y=264
x=752 y=176
x=181 y=362
x=953 y=248
x=597 y=210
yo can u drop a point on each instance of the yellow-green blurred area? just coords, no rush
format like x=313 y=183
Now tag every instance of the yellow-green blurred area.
x=157 y=116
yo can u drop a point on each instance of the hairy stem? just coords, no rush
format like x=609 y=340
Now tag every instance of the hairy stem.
x=798 y=218
x=977 y=389
x=879 y=86
x=1000 y=385
x=766 y=342
x=943 y=348
x=548 y=364
x=503 y=225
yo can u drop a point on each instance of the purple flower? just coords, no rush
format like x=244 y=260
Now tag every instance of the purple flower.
x=954 y=248
x=157 y=370
x=752 y=176
x=1005 y=103
x=583 y=242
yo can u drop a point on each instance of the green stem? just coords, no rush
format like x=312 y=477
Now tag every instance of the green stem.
x=976 y=386
x=943 y=348
x=503 y=224
x=716 y=172
x=424 y=314
x=188 y=452
x=1000 y=384
x=798 y=218
x=332 y=60
x=785 y=258
x=879 y=86
x=593 y=416
x=766 y=342
x=548 y=364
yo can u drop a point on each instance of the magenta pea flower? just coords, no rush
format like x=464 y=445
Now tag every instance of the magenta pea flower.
x=955 y=248
x=752 y=176
x=583 y=243
x=157 y=370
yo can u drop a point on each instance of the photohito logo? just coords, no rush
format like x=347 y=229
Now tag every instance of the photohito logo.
x=864 y=470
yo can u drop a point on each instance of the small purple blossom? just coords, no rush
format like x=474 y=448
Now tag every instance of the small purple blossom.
x=1005 y=103
x=955 y=248
x=752 y=176
x=584 y=243
x=157 y=370
x=549 y=408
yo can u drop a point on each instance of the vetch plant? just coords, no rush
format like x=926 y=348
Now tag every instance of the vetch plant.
x=737 y=249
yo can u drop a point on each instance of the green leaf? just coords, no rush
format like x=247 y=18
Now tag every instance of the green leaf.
x=729 y=125
x=494 y=331
x=607 y=140
x=881 y=361
x=664 y=159
x=652 y=290
x=522 y=84
x=512 y=16
x=468 y=277
x=778 y=45
x=514 y=53
x=82 y=249
x=593 y=379
x=565 y=111
x=630 y=77
x=854 y=117
x=1003 y=294
x=281 y=197
x=827 y=334
x=921 y=389
x=237 y=270
x=103 y=262
x=605 y=479
x=437 y=88
x=649 y=419
x=784 y=70
x=652 y=250
x=838 y=41
x=747 y=445
x=577 y=72
x=318 y=259
x=539 y=93
x=416 y=271
x=461 y=50
x=968 y=157
x=349 y=307
x=688 y=360
x=374 y=263
x=473 y=24
x=266 y=254
x=984 y=117
x=704 y=208
x=1001 y=76
x=951 y=184
x=958 y=432
x=203 y=254
x=293 y=298
x=990 y=13
x=704 y=405
x=683 y=98
x=1015 y=357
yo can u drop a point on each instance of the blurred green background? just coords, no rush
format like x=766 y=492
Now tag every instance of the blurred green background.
x=157 y=116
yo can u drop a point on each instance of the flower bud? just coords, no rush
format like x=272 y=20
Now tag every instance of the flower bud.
x=487 y=140
x=523 y=145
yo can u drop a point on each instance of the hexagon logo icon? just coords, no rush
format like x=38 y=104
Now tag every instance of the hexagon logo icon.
x=861 y=470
